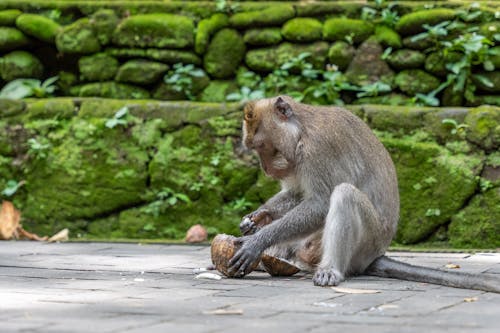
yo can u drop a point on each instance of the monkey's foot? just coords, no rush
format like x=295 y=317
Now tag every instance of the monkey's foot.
x=327 y=277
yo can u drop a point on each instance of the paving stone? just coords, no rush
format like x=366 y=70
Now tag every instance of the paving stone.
x=103 y=287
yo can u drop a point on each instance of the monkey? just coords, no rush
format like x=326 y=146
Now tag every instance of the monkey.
x=338 y=207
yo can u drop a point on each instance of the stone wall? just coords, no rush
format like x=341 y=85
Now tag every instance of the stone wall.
x=149 y=169
x=355 y=52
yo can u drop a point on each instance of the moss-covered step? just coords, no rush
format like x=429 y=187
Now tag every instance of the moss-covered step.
x=224 y=54
x=345 y=28
x=8 y=17
x=12 y=38
x=98 y=67
x=263 y=37
x=273 y=15
x=166 y=56
x=20 y=64
x=78 y=37
x=110 y=89
x=413 y=23
x=155 y=30
x=478 y=224
x=206 y=29
x=302 y=29
x=141 y=72
x=434 y=185
x=38 y=26
x=267 y=59
x=484 y=126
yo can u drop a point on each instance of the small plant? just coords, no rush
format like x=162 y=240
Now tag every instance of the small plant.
x=181 y=78
x=38 y=148
x=11 y=187
x=373 y=89
x=238 y=206
x=433 y=212
x=381 y=14
x=164 y=199
x=330 y=87
x=455 y=127
x=484 y=184
x=245 y=94
x=21 y=88
x=223 y=6
x=118 y=119
x=434 y=32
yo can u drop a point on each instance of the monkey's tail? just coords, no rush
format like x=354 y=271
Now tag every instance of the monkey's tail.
x=387 y=267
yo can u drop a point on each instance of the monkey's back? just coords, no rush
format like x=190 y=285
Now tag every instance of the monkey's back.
x=338 y=147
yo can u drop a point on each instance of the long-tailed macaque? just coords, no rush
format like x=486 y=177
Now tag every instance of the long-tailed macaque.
x=338 y=208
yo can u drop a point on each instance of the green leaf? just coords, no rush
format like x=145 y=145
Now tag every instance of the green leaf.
x=484 y=80
x=121 y=112
x=17 y=89
x=11 y=188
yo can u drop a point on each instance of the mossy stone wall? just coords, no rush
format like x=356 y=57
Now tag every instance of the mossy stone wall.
x=259 y=36
x=167 y=165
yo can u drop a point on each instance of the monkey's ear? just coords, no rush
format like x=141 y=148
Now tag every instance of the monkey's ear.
x=283 y=109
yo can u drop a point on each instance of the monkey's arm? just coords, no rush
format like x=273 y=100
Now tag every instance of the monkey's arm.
x=304 y=219
x=273 y=209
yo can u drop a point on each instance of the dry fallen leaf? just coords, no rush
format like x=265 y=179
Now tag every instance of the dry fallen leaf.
x=452 y=266
x=9 y=220
x=355 y=291
x=196 y=234
x=61 y=236
x=470 y=299
x=224 y=312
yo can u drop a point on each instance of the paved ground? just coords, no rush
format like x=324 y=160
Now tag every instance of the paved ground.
x=100 y=287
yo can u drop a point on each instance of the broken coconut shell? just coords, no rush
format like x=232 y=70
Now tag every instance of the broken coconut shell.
x=222 y=250
x=278 y=267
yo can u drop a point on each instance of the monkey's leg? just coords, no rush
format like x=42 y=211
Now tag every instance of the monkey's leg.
x=352 y=237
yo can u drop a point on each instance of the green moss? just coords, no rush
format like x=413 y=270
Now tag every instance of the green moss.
x=57 y=108
x=484 y=126
x=413 y=81
x=173 y=56
x=419 y=44
x=341 y=54
x=436 y=62
x=104 y=22
x=328 y=8
x=390 y=99
x=110 y=90
x=38 y=26
x=141 y=71
x=493 y=77
x=12 y=38
x=263 y=37
x=8 y=17
x=11 y=107
x=272 y=15
x=65 y=82
x=451 y=97
x=206 y=29
x=338 y=28
x=155 y=30
x=224 y=54
x=20 y=64
x=434 y=122
x=98 y=67
x=486 y=100
x=427 y=175
x=478 y=224
x=412 y=23
x=302 y=29
x=92 y=171
x=406 y=59
x=388 y=37
x=216 y=91
x=78 y=37
x=267 y=59
x=405 y=119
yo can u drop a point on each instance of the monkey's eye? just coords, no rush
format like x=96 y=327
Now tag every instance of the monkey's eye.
x=248 y=115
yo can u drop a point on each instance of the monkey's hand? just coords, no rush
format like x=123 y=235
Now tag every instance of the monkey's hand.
x=249 y=252
x=253 y=221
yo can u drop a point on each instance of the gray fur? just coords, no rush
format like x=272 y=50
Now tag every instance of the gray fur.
x=338 y=182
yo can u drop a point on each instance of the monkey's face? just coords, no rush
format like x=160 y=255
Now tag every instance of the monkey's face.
x=265 y=130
